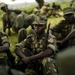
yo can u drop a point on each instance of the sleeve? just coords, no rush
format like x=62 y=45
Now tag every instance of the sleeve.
x=26 y=42
x=5 y=40
x=52 y=43
x=21 y=44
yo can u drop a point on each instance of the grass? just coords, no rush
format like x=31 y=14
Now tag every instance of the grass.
x=13 y=38
x=52 y=20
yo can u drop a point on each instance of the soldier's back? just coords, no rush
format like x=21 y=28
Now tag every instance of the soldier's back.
x=66 y=61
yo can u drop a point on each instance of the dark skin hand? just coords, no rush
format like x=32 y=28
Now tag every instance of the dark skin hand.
x=4 y=47
x=40 y=55
x=68 y=37
x=39 y=29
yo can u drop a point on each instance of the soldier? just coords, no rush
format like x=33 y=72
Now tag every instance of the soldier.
x=24 y=20
x=62 y=29
x=56 y=10
x=9 y=17
x=6 y=57
x=22 y=34
x=20 y=22
x=70 y=38
x=16 y=19
x=45 y=10
x=36 y=10
x=72 y=4
x=65 y=61
x=38 y=48
x=56 y=7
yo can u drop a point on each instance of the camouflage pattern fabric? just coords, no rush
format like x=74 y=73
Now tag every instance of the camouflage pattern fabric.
x=73 y=4
x=31 y=43
x=6 y=57
x=22 y=33
x=2 y=4
x=45 y=11
x=3 y=56
x=5 y=20
x=64 y=27
x=23 y=21
x=36 y=10
x=19 y=22
x=29 y=20
x=62 y=30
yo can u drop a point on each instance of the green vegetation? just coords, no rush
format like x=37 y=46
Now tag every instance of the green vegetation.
x=52 y=20
x=29 y=9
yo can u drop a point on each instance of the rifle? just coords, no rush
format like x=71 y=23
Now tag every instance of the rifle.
x=46 y=39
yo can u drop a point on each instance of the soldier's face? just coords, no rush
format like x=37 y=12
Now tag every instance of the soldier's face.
x=39 y=28
x=69 y=17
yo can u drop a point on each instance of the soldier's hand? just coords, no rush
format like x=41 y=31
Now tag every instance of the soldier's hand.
x=25 y=59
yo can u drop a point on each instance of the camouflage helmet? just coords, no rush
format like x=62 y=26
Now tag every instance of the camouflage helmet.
x=40 y=20
x=68 y=10
x=66 y=61
x=2 y=4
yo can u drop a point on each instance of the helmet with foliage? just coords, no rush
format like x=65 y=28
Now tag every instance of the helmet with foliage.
x=68 y=10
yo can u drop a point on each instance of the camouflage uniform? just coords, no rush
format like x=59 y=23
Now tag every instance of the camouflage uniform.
x=5 y=21
x=72 y=4
x=62 y=29
x=3 y=40
x=46 y=10
x=22 y=33
x=31 y=46
x=19 y=22
x=8 y=17
x=23 y=20
x=36 y=10
x=6 y=57
x=65 y=61
x=56 y=9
